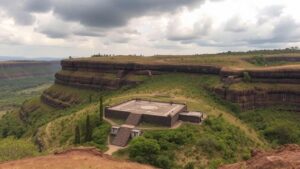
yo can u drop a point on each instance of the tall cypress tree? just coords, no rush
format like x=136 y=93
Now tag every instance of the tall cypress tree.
x=88 y=129
x=90 y=98
x=101 y=109
x=77 y=135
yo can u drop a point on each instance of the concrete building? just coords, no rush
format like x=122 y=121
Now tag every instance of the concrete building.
x=137 y=111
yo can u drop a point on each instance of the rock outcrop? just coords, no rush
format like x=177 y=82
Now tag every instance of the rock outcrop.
x=100 y=74
x=287 y=157
x=110 y=75
x=278 y=74
x=257 y=98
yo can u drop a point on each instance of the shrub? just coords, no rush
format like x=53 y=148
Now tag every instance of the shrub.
x=164 y=162
x=259 y=60
x=101 y=133
x=144 y=150
x=189 y=165
x=12 y=149
x=282 y=134
x=246 y=77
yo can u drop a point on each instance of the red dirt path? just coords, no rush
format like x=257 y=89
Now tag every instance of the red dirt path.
x=87 y=158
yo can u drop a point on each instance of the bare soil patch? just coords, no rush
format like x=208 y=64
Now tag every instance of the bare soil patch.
x=80 y=158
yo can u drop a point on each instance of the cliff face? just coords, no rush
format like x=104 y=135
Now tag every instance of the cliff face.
x=279 y=74
x=97 y=74
x=258 y=98
x=22 y=69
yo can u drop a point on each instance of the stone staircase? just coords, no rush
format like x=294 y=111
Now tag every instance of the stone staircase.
x=133 y=119
x=124 y=132
x=122 y=137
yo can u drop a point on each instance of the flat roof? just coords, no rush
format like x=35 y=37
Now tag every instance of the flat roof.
x=149 y=107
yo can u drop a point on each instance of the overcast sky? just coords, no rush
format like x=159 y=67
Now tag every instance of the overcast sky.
x=60 y=28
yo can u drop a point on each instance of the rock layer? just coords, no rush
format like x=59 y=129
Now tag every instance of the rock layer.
x=257 y=98
x=97 y=74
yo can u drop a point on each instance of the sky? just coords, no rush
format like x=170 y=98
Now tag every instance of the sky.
x=62 y=28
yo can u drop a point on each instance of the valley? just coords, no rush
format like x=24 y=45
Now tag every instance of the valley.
x=23 y=80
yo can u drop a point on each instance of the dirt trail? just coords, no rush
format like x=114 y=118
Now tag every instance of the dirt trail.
x=87 y=158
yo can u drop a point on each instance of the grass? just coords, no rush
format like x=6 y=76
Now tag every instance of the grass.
x=15 y=91
x=2 y=113
x=277 y=126
x=60 y=132
x=12 y=149
x=267 y=86
x=232 y=59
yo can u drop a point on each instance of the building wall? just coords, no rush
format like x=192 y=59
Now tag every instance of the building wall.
x=116 y=114
x=188 y=118
x=159 y=120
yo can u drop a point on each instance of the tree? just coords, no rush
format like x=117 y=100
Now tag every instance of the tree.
x=101 y=109
x=88 y=129
x=246 y=77
x=90 y=98
x=77 y=135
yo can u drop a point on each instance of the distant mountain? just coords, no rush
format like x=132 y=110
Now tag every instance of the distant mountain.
x=9 y=58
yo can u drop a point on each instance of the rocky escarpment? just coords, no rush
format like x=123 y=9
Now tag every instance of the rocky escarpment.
x=259 y=97
x=279 y=74
x=108 y=75
x=21 y=69
x=100 y=74
x=58 y=99
x=287 y=157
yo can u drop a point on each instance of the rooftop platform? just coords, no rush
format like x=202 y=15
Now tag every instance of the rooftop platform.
x=149 y=108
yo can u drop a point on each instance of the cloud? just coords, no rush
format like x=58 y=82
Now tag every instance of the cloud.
x=148 y=26
x=235 y=24
x=285 y=30
x=178 y=30
x=269 y=12
x=96 y=13
x=114 y=13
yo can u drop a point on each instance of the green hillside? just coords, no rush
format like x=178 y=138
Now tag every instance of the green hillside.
x=228 y=135
x=56 y=127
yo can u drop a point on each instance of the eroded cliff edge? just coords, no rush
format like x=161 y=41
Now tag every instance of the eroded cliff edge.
x=106 y=74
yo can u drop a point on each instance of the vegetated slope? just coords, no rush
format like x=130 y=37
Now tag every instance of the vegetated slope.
x=177 y=88
x=73 y=159
x=287 y=157
x=58 y=131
